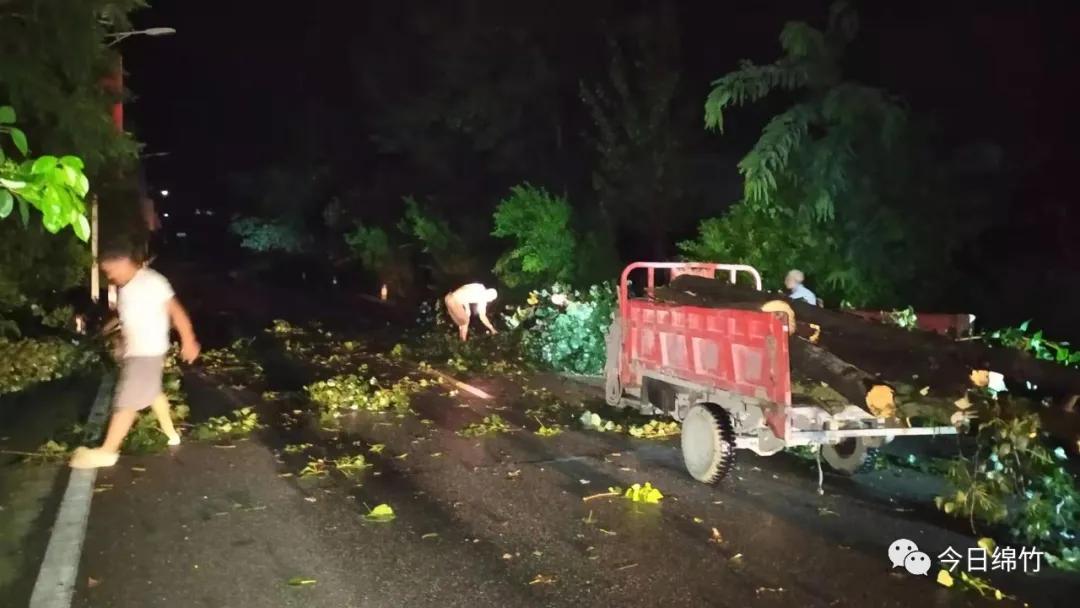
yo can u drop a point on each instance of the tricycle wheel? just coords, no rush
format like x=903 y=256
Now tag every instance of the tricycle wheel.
x=850 y=456
x=612 y=384
x=708 y=442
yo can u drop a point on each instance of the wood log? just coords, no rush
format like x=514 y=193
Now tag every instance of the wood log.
x=889 y=351
x=857 y=386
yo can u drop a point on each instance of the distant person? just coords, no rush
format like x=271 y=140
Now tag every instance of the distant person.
x=146 y=306
x=796 y=290
x=459 y=304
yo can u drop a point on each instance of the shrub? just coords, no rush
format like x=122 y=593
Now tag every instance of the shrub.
x=262 y=235
x=1014 y=480
x=565 y=329
x=544 y=241
x=26 y=362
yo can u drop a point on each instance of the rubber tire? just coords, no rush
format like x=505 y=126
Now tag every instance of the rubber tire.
x=708 y=443
x=613 y=390
x=849 y=458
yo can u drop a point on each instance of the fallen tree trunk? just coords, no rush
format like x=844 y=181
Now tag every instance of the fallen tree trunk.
x=859 y=387
x=888 y=351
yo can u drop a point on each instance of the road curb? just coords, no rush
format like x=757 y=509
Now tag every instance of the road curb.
x=55 y=583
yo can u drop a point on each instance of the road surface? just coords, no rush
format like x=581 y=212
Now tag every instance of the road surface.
x=495 y=521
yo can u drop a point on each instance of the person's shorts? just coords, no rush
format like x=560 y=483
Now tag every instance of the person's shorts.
x=139 y=383
x=459 y=313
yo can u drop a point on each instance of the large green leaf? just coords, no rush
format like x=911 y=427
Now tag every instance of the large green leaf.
x=82 y=228
x=19 y=139
x=42 y=165
x=7 y=115
x=7 y=203
x=72 y=161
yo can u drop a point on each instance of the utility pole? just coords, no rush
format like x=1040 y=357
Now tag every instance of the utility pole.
x=95 y=273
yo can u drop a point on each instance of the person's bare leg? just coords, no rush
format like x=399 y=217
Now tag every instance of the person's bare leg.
x=119 y=425
x=463 y=331
x=160 y=407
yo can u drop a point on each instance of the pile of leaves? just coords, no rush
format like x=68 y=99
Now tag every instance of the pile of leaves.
x=1014 y=480
x=281 y=327
x=490 y=425
x=544 y=240
x=235 y=359
x=351 y=465
x=26 y=362
x=655 y=429
x=240 y=423
x=564 y=329
x=145 y=436
x=361 y=392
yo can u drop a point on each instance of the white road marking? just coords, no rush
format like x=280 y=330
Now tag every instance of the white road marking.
x=55 y=584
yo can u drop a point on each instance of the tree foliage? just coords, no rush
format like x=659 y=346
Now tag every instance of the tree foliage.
x=843 y=184
x=544 y=240
x=54 y=186
x=639 y=155
x=268 y=235
x=55 y=57
x=448 y=255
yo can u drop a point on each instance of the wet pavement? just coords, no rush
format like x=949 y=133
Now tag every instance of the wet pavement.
x=30 y=493
x=493 y=521
x=496 y=521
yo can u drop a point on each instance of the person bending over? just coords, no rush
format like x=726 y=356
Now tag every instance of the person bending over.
x=146 y=306
x=459 y=304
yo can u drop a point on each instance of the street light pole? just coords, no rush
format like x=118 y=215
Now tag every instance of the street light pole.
x=115 y=83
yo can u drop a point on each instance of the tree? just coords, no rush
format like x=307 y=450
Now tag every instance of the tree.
x=544 y=240
x=469 y=104
x=640 y=156
x=57 y=87
x=54 y=186
x=64 y=113
x=842 y=184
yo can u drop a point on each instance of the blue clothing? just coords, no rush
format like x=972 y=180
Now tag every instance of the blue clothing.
x=802 y=293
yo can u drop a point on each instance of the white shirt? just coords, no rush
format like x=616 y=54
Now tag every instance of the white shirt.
x=473 y=293
x=144 y=315
x=800 y=292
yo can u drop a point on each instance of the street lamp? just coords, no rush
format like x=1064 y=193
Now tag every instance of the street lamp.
x=151 y=31
x=164 y=193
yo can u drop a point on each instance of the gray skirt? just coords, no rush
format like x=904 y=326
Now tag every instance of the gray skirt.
x=139 y=383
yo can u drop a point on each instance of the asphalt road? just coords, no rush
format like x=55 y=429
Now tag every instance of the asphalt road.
x=499 y=521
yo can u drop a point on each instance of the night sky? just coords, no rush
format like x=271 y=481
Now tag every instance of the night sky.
x=226 y=92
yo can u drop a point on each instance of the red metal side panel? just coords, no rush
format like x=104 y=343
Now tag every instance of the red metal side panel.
x=741 y=351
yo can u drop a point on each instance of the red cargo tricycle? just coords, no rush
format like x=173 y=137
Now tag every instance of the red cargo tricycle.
x=725 y=375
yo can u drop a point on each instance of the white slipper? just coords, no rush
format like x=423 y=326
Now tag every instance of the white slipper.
x=92 y=458
x=174 y=439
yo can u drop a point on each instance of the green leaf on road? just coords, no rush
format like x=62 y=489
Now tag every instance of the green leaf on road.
x=24 y=213
x=382 y=513
x=299 y=581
